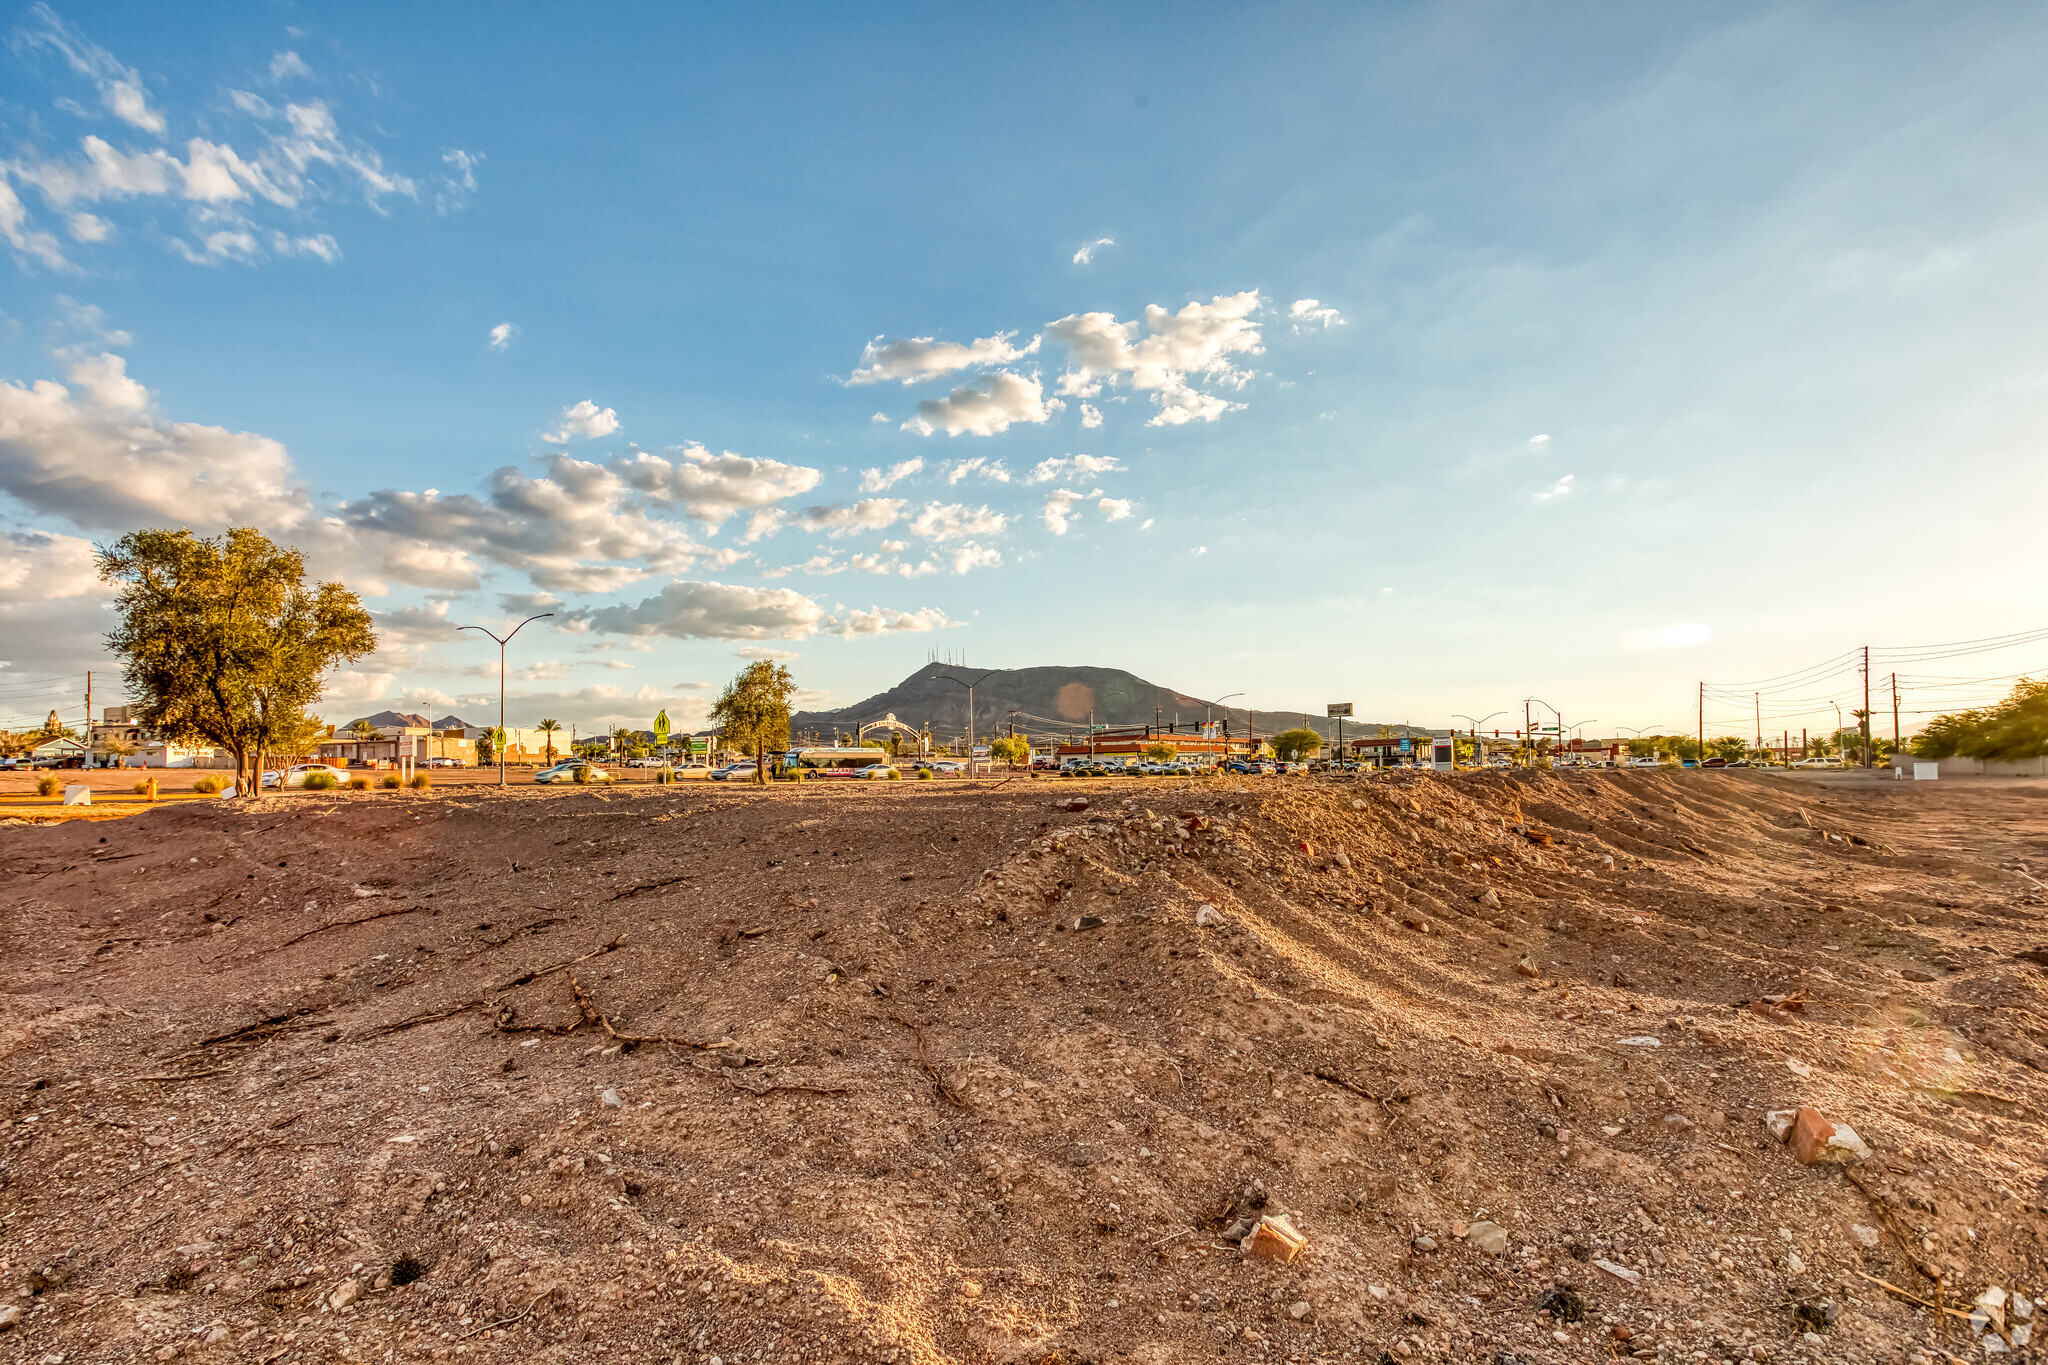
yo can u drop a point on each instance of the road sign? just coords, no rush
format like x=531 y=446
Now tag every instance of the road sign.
x=1340 y=708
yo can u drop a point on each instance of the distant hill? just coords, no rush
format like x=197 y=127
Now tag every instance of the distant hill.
x=1050 y=701
x=413 y=719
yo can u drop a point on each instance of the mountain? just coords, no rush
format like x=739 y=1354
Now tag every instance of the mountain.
x=384 y=718
x=454 y=723
x=1052 y=701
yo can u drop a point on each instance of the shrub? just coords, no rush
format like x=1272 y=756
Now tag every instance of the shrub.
x=580 y=776
x=665 y=775
x=141 y=788
x=359 y=784
x=206 y=786
x=391 y=782
x=319 y=782
x=46 y=785
x=895 y=775
x=420 y=781
x=924 y=774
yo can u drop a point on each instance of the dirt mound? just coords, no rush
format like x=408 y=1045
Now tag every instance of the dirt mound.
x=916 y=1074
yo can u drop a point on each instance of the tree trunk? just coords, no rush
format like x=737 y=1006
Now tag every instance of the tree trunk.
x=241 y=754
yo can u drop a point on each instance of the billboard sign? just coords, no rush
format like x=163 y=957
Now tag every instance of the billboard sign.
x=1339 y=708
x=1442 y=753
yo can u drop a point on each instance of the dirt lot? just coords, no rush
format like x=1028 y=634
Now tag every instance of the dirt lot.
x=830 y=1073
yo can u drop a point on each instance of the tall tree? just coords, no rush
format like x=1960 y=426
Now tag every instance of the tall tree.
x=1297 y=743
x=548 y=728
x=223 y=641
x=754 y=708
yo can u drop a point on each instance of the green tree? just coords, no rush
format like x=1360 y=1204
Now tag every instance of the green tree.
x=1299 y=743
x=1159 y=751
x=622 y=741
x=754 y=709
x=222 y=641
x=1730 y=747
x=549 y=727
x=302 y=742
x=362 y=729
x=487 y=748
x=1014 y=750
x=1681 y=746
x=1643 y=746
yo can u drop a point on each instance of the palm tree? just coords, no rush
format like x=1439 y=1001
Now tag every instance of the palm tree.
x=548 y=728
x=620 y=737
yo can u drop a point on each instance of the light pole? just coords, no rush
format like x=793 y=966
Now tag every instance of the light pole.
x=1478 y=750
x=501 y=685
x=1209 y=709
x=970 y=686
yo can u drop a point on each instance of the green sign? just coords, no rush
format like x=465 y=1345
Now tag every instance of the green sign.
x=661 y=728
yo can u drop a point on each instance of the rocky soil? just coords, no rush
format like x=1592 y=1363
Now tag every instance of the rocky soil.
x=919 y=1073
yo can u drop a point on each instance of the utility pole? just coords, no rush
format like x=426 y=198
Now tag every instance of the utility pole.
x=1758 y=699
x=1866 y=706
x=1703 y=722
x=88 y=719
x=1895 y=709
x=500 y=736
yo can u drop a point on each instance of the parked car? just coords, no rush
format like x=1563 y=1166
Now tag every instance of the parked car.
x=566 y=772
x=733 y=772
x=1817 y=762
x=443 y=763
x=296 y=775
x=643 y=763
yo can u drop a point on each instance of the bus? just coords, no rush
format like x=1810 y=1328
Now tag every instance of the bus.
x=832 y=762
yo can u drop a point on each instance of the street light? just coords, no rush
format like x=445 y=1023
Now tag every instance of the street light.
x=501 y=683
x=1208 y=710
x=970 y=686
x=1478 y=750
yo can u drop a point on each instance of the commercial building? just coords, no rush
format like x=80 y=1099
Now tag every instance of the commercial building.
x=1123 y=742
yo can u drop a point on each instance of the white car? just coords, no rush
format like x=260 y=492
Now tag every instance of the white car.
x=296 y=775
x=643 y=763
x=566 y=772
x=1642 y=763
x=1817 y=763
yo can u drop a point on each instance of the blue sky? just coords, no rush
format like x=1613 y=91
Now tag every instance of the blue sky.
x=1493 y=351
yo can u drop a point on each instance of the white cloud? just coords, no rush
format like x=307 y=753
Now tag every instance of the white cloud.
x=1087 y=252
x=285 y=65
x=763 y=523
x=1179 y=404
x=915 y=358
x=1557 y=490
x=357 y=685
x=1684 y=635
x=503 y=335
x=887 y=621
x=880 y=417
x=458 y=183
x=1145 y=525
x=546 y=670
x=759 y=652
x=557 y=528
x=585 y=420
x=1199 y=550
x=1059 y=505
x=951 y=521
x=37 y=567
x=869 y=514
x=428 y=697
x=984 y=407
x=1200 y=339
x=120 y=87
x=687 y=610
x=88 y=227
x=711 y=488
x=973 y=556
x=893 y=547
x=1115 y=509
x=99 y=459
x=1310 y=313
x=1091 y=417
x=27 y=241
x=875 y=481
x=1069 y=466
x=1538 y=442
x=992 y=470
